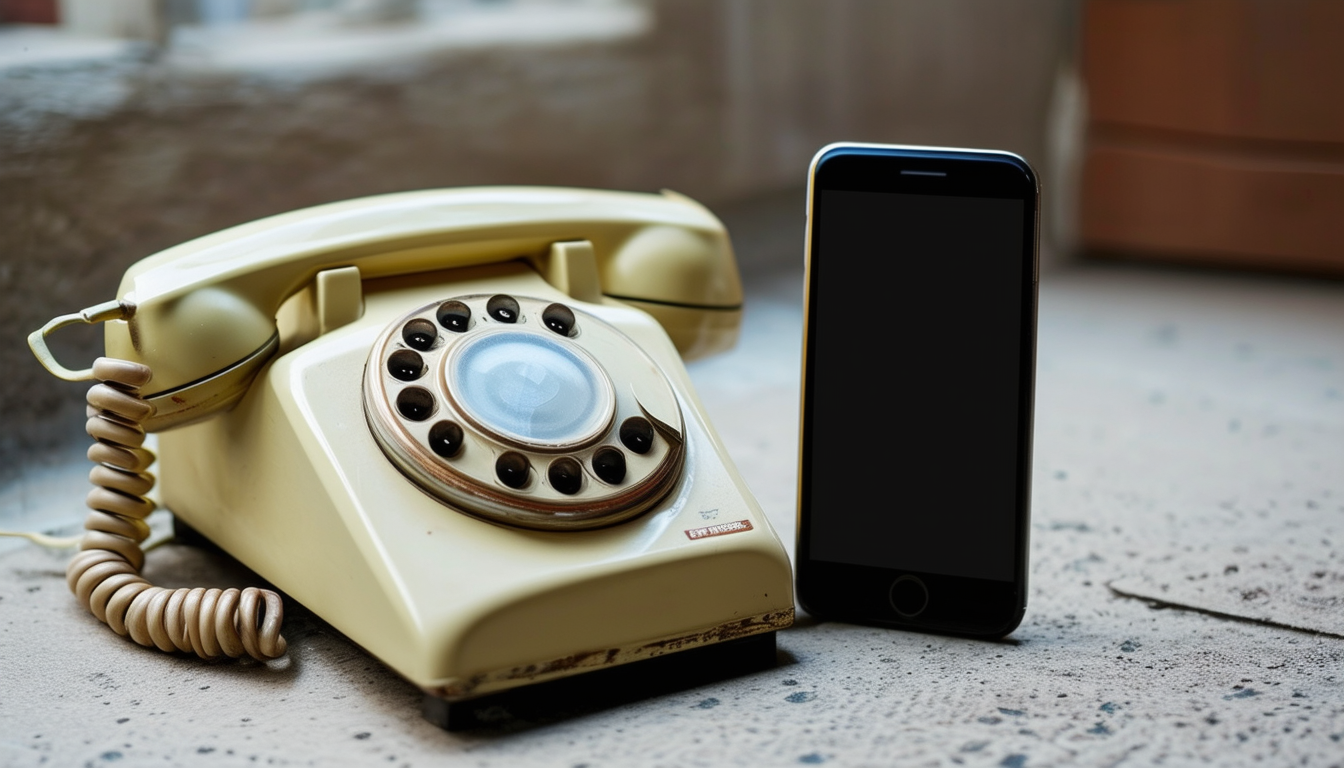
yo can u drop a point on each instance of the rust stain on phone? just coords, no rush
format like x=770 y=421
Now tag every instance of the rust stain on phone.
x=588 y=660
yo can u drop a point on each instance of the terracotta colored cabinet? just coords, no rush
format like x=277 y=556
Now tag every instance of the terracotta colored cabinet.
x=28 y=12
x=1216 y=132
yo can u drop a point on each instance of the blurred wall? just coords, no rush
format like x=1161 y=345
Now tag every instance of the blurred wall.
x=108 y=159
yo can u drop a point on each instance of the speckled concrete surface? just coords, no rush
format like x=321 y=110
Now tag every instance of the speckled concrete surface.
x=1190 y=429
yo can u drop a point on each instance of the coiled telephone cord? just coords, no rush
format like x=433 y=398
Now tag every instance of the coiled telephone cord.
x=105 y=575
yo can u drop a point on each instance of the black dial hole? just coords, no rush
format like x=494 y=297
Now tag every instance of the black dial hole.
x=503 y=308
x=454 y=315
x=559 y=318
x=445 y=439
x=415 y=403
x=419 y=334
x=566 y=475
x=406 y=365
x=637 y=434
x=609 y=464
x=511 y=468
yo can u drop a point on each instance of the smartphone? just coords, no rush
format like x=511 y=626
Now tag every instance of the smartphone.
x=919 y=362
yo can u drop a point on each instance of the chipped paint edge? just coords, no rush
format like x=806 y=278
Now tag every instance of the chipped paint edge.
x=586 y=661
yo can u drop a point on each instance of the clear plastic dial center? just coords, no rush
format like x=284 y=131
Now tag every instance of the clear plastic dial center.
x=530 y=388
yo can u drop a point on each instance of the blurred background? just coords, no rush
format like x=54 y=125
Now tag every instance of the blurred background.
x=1191 y=131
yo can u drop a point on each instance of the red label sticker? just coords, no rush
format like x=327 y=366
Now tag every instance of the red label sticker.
x=721 y=529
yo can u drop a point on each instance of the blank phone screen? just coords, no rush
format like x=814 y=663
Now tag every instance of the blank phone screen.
x=915 y=361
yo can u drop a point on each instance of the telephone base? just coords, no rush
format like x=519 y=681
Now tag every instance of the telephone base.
x=187 y=536
x=594 y=691
x=578 y=695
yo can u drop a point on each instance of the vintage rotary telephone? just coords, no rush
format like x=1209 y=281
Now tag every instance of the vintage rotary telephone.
x=452 y=423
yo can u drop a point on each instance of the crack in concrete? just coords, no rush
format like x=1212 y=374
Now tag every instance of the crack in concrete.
x=1157 y=602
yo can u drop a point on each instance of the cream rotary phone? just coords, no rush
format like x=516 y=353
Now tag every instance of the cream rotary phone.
x=454 y=424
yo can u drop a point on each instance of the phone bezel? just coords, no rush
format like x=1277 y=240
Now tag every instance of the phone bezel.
x=859 y=593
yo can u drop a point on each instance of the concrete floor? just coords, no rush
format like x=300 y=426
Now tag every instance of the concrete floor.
x=1189 y=450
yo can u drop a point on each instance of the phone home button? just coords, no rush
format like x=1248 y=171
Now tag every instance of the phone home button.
x=909 y=596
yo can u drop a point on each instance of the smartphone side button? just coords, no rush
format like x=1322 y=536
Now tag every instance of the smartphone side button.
x=909 y=597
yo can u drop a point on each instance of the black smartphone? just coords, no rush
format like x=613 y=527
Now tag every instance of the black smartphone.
x=919 y=362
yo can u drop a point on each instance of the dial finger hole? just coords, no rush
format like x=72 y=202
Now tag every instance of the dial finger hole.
x=558 y=318
x=503 y=308
x=566 y=475
x=405 y=365
x=454 y=315
x=415 y=403
x=609 y=464
x=637 y=434
x=512 y=469
x=419 y=334
x=445 y=439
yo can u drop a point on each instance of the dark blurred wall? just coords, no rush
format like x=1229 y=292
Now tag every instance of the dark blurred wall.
x=105 y=162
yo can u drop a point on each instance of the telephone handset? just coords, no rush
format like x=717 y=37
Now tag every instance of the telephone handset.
x=453 y=423
x=202 y=315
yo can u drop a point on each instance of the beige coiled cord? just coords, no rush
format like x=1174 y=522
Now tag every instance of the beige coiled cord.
x=105 y=575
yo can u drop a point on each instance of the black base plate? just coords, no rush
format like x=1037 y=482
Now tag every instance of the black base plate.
x=185 y=535
x=604 y=688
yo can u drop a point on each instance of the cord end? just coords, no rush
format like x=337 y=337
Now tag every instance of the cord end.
x=99 y=313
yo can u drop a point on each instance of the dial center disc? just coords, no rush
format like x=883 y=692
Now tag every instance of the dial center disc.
x=530 y=388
